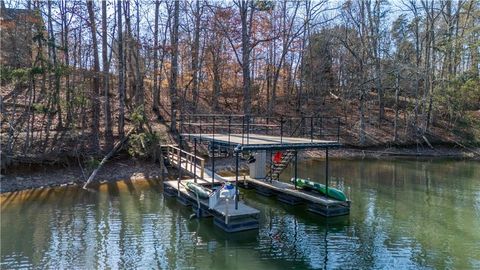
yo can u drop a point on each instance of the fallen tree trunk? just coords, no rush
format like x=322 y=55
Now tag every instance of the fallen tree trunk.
x=429 y=144
x=115 y=148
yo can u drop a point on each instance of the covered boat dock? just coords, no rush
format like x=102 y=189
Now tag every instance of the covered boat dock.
x=241 y=134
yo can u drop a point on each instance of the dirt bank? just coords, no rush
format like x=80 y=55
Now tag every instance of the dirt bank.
x=50 y=176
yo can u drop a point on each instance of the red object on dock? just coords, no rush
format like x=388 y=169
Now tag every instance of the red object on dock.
x=277 y=158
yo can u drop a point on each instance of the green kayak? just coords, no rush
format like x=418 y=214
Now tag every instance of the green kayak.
x=332 y=192
x=202 y=192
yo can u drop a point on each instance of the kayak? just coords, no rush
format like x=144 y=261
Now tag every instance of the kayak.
x=202 y=192
x=332 y=192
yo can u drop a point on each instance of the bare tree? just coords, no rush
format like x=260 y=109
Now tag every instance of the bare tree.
x=195 y=53
x=174 y=67
x=156 y=95
x=106 y=78
x=121 y=74
x=246 y=10
x=96 y=79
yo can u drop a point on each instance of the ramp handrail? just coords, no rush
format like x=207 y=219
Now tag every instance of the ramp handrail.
x=176 y=155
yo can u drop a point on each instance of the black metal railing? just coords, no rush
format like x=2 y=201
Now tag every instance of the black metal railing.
x=309 y=127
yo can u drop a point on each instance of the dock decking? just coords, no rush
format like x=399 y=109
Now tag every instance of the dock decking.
x=226 y=216
x=261 y=142
x=287 y=193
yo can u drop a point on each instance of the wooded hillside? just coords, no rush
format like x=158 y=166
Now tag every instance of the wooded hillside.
x=397 y=72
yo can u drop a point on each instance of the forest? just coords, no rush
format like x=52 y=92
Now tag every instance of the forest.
x=77 y=76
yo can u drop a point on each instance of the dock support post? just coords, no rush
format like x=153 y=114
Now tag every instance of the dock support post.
x=213 y=163
x=179 y=160
x=213 y=152
x=236 y=179
x=248 y=129
x=296 y=163
x=326 y=170
x=180 y=157
x=243 y=128
x=195 y=160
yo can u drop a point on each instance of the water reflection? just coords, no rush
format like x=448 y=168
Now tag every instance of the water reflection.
x=405 y=214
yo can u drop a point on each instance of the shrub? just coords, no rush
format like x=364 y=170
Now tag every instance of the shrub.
x=459 y=95
x=145 y=144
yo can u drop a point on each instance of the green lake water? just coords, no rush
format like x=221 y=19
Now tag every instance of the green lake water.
x=405 y=214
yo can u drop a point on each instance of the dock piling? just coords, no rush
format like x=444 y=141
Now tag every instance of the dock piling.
x=296 y=163
x=326 y=171
x=195 y=160
x=213 y=152
x=236 y=179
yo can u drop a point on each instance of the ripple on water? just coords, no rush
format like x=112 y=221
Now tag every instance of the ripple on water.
x=391 y=226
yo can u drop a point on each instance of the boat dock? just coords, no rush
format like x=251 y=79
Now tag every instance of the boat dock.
x=254 y=137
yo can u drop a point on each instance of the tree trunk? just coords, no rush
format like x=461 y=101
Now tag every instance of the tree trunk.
x=68 y=97
x=216 y=76
x=53 y=50
x=195 y=55
x=106 y=84
x=378 y=71
x=362 y=116
x=96 y=81
x=174 y=68
x=395 y=123
x=140 y=94
x=247 y=106
x=121 y=74
x=156 y=95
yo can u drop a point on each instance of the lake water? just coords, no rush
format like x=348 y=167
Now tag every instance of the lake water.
x=405 y=214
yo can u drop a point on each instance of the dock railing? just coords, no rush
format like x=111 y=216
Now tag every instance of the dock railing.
x=184 y=159
x=309 y=127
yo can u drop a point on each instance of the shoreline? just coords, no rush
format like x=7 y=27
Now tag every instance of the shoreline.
x=397 y=152
x=50 y=176
x=118 y=169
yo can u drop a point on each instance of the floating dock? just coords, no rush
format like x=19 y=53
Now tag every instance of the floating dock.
x=253 y=135
x=286 y=193
x=225 y=214
x=231 y=215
